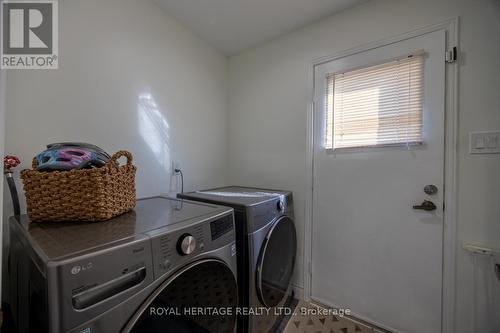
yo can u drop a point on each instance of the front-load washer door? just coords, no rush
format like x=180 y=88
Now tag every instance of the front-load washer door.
x=276 y=262
x=200 y=298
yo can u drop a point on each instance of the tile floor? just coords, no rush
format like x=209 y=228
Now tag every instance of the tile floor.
x=303 y=322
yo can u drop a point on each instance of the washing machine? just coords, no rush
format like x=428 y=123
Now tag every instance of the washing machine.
x=266 y=243
x=167 y=266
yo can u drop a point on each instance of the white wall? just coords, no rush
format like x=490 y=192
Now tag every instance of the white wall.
x=130 y=77
x=268 y=102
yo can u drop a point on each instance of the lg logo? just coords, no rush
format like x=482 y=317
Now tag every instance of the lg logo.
x=29 y=28
x=77 y=269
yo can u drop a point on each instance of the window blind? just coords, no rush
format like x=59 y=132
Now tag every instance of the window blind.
x=376 y=106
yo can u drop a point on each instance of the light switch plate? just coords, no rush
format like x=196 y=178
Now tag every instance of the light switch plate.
x=484 y=142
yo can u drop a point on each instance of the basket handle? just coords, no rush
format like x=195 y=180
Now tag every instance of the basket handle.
x=34 y=163
x=117 y=155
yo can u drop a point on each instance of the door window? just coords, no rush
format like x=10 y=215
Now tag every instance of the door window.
x=377 y=105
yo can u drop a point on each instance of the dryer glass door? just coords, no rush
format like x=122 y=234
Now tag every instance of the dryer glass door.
x=201 y=298
x=276 y=262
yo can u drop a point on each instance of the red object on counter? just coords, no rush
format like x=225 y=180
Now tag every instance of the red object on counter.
x=10 y=162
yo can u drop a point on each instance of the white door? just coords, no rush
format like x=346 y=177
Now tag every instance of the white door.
x=372 y=252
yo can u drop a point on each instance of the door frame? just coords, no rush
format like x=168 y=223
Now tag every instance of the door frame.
x=450 y=163
x=3 y=94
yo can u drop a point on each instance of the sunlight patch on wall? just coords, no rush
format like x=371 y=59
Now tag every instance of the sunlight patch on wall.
x=154 y=128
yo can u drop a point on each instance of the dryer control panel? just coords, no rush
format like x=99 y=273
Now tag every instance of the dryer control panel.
x=260 y=215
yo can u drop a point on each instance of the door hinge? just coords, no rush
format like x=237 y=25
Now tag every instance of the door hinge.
x=310 y=268
x=451 y=55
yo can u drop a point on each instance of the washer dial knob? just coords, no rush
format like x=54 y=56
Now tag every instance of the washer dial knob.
x=186 y=244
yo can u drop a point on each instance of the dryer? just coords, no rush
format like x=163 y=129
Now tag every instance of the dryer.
x=266 y=243
x=149 y=270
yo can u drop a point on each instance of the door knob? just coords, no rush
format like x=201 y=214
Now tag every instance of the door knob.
x=426 y=205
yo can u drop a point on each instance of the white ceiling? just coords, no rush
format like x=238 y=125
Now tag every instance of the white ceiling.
x=234 y=25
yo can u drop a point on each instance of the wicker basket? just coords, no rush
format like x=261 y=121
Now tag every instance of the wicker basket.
x=81 y=195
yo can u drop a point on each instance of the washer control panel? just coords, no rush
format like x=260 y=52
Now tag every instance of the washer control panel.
x=173 y=248
x=220 y=227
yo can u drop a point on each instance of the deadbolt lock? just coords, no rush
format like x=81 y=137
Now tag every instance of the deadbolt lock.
x=430 y=189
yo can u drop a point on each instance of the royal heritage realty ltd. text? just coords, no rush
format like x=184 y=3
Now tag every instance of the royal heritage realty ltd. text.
x=247 y=311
